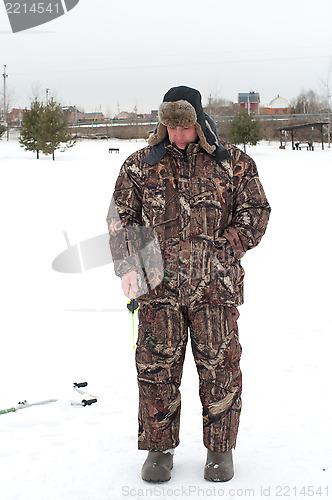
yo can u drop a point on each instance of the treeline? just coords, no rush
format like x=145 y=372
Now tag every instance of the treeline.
x=45 y=130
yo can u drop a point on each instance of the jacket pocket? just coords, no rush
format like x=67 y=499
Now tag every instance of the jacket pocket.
x=227 y=275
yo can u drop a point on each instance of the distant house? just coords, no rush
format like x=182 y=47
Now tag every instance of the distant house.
x=14 y=117
x=71 y=114
x=278 y=106
x=152 y=115
x=124 y=115
x=92 y=117
x=249 y=102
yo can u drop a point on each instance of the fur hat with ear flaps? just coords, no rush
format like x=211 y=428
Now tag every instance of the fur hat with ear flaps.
x=182 y=107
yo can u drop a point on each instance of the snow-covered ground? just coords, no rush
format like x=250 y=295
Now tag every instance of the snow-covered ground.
x=57 y=329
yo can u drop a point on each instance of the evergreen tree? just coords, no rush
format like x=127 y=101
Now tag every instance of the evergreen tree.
x=30 y=137
x=54 y=129
x=2 y=130
x=44 y=128
x=245 y=130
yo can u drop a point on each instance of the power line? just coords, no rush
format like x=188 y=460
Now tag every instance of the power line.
x=174 y=64
x=168 y=55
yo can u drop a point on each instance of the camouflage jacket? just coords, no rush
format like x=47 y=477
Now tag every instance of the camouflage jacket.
x=204 y=214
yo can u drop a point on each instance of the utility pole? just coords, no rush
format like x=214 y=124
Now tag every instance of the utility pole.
x=5 y=114
x=47 y=96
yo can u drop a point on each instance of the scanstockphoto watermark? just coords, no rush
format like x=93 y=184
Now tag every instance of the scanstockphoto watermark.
x=299 y=491
x=186 y=491
x=27 y=14
x=95 y=252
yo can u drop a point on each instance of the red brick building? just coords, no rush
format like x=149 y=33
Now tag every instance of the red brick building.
x=249 y=102
x=14 y=117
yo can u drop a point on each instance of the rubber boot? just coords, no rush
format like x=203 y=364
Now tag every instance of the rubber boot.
x=157 y=467
x=219 y=466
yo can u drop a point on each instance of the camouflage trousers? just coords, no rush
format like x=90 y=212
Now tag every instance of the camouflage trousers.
x=162 y=338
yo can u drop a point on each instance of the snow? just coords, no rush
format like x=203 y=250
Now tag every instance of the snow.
x=63 y=328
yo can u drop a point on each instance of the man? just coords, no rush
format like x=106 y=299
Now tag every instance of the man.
x=203 y=200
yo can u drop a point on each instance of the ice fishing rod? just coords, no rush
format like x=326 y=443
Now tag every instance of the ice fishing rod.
x=78 y=388
x=132 y=306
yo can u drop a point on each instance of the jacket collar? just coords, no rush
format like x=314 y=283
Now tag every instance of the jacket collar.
x=191 y=149
x=158 y=152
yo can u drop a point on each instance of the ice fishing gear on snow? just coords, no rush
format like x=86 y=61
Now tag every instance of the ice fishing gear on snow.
x=25 y=404
x=133 y=306
x=84 y=402
x=78 y=388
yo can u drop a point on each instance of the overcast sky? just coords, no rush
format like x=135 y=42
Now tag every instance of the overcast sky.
x=108 y=54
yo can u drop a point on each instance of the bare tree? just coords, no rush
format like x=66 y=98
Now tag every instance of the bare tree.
x=42 y=94
x=308 y=102
x=218 y=106
x=327 y=95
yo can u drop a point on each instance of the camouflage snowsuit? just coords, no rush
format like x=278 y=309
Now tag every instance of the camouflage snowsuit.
x=206 y=215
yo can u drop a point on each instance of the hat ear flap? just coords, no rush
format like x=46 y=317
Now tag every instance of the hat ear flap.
x=202 y=140
x=158 y=136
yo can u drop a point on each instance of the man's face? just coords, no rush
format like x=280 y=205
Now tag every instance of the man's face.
x=182 y=136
